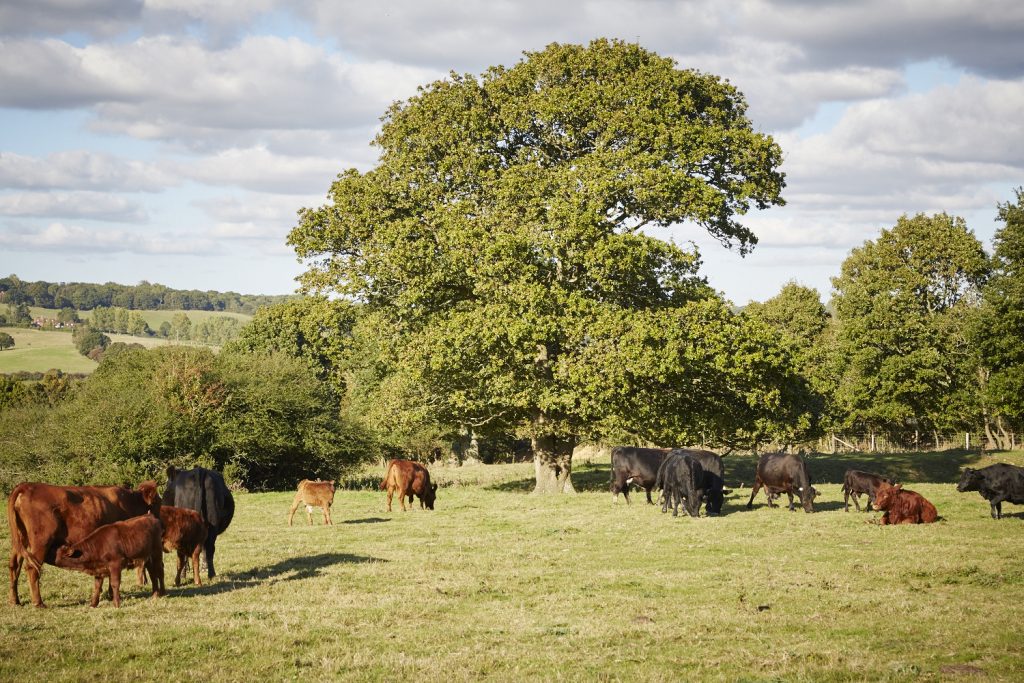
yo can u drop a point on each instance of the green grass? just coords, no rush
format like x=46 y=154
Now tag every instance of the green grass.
x=497 y=584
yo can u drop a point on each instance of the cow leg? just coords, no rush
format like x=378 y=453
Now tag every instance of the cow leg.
x=757 y=487
x=856 y=502
x=389 y=500
x=140 y=573
x=115 y=582
x=997 y=509
x=648 y=489
x=295 y=506
x=33 y=585
x=181 y=567
x=790 y=494
x=15 y=566
x=97 y=588
x=211 y=542
x=309 y=515
x=327 y=515
x=156 y=573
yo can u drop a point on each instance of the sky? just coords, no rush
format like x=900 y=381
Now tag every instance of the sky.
x=173 y=141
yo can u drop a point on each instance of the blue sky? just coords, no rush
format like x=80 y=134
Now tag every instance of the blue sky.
x=174 y=140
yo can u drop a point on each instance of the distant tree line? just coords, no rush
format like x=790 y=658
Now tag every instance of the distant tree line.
x=143 y=296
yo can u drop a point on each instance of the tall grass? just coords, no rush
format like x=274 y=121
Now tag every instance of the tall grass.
x=497 y=584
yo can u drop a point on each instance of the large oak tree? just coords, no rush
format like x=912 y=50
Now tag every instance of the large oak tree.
x=501 y=243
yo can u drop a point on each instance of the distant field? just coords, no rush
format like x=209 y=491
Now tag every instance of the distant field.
x=42 y=350
x=153 y=318
x=497 y=584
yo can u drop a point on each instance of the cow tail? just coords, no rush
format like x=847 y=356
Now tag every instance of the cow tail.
x=387 y=473
x=19 y=534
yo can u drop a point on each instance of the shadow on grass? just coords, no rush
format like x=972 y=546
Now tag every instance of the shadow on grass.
x=290 y=569
x=926 y=467
x=366 y=520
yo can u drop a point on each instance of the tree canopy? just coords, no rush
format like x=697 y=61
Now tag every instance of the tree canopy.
x=501 y=238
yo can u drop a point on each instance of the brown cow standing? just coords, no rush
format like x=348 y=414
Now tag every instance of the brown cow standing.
x=111 y=548
x=313 y=494
x=43 y=517
x=902 y=506
x=184 y=533
x=407 y=478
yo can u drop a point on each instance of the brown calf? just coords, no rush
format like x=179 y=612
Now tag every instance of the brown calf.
x=313 y=494
x=407 y=478
x=903 y=507
x=183 y=533
x=111 y=548
x=43 y=517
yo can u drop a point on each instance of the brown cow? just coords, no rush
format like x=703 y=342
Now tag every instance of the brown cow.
x=313 y=494
x=407 y=478
x=111 y=548
x=902 y=506
x=184 y=533
x=43 y=517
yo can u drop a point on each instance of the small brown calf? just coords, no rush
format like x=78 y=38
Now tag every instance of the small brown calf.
x=183 y=533
x=313 y=494
x=111 y=548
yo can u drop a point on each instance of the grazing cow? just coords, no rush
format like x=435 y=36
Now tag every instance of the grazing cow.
x=406 y=478
x=995 y=483
x=184 y=534
x=856 y=482
x=902 y=506
x=313 y=494
x=111 y=548
x=783 y=473
x=714 y=480
x=205 y=492
x=43 y=518
x=631 y=465
x=681 y=478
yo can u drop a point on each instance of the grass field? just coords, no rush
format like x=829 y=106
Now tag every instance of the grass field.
x=498 y=584
x=41 y=350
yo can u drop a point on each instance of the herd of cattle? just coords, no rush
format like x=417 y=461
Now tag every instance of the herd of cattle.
x=695 y=477
x=102 y=530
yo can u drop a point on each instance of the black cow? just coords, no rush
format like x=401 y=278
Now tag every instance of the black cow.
x=714 y=478
x=681 y=478
x=856 y=482
x=638 y=466
x=205 y=492
x=784 y=473
x=995 y=483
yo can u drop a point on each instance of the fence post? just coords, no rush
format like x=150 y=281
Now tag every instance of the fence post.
x=967 y=441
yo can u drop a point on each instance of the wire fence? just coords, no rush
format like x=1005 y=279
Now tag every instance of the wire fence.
x=869 y=442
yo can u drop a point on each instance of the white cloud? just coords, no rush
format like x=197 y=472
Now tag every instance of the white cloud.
x=87 y=205
x=260 y=170
x=81 y=170
x=59 y=237
x=96 y=17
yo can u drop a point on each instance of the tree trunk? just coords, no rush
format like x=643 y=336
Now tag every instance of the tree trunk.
x=552 y=461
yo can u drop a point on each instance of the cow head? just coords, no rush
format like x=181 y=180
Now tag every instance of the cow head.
x=807 y=495
x=429 y=495
x=68 y=556
x=884 y=495
x=970 y=480
x=150 y=495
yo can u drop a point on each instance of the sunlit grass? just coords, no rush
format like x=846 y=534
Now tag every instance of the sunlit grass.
x=502 y=585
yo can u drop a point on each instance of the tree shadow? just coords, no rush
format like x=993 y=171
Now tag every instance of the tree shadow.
x=940 y=467
x=366 y=520
x=289 y=569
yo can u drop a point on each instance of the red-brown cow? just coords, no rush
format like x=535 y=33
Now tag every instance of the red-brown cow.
x=43 y=517
x=313 y=494
x=184 y=533
x=111 y=548
x=902 y=506
x=407 y=478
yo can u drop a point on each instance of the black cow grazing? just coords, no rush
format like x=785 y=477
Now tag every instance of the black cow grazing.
x=681 y=478
x=205 y=492
x=714 y=478
x=784 y=473
x=995 y=483
x=638 y=466
x=856 y=482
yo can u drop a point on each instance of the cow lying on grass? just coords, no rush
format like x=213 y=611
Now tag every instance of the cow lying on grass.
x=902 y=506
x=184 y=534
x=111 y=548
x=313 y=494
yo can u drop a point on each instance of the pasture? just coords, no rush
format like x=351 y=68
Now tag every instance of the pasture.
x=498 y=584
